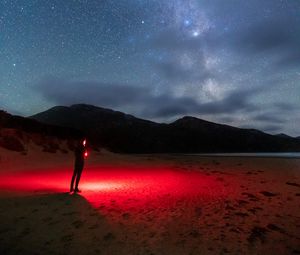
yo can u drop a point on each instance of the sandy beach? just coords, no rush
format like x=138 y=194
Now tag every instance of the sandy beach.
x=149 y=204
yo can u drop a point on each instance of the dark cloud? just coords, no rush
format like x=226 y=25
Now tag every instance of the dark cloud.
x=276 y=40
x=285 y=106
x=273 y=118
x=69 y=92
x=266 y=36
x=271 y=128
x=142 y=99
x=226 y=119
x=290 y=59
x=175 y=71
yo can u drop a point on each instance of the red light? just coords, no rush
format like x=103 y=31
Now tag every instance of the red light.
x=132 y=188
x=86 y=154
x=84 y=142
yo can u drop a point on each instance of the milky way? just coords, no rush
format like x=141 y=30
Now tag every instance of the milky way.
x=232 y=62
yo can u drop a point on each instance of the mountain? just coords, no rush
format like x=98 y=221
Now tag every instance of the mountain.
x=120 y=132
x=17 y=132
x=283 y=135
x=114 y=130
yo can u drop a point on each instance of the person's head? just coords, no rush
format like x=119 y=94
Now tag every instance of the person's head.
x=81 y=142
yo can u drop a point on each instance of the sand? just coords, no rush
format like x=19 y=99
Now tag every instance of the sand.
x=149 y=204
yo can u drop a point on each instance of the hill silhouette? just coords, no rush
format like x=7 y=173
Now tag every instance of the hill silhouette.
x=120 y=132
x=17 y=132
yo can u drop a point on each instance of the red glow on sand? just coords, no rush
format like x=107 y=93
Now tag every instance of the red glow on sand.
x=130 y=189
x=117 y=182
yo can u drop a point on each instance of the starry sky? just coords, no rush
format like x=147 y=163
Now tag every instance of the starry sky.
x=232 y=62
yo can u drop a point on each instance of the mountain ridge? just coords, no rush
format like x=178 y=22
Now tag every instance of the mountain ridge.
x=121 y=132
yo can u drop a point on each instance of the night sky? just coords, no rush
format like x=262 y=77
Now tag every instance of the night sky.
x=233 y=62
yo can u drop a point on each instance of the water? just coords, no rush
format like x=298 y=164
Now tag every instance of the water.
x=257 y=155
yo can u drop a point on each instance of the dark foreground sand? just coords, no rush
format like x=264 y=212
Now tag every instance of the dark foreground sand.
x=150 y=205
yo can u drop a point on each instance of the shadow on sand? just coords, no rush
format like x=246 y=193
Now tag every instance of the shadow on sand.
x=52 y=224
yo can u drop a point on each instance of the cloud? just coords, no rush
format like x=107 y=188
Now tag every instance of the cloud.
x=265 y=117
x=69 y=92
x=142 y=99
x=174 y=39
x=265 y=36
x=177 y=70
x=248 y=55
x=268 y=128
x=277 y=40
x=179 y=56
x=285 y=106
x=271 y=128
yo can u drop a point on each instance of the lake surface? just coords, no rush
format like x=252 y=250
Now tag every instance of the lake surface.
x=260 y=155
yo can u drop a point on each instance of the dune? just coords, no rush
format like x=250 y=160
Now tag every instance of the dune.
x=149 y=204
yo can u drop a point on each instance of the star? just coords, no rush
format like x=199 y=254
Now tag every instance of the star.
x=195 y=34
x=153 y=44
x=187 y=22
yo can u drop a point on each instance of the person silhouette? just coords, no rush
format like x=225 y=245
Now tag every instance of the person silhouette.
x=80 y=154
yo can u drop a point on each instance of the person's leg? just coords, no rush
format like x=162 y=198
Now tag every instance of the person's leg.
x=73 y=179
x=78 y=178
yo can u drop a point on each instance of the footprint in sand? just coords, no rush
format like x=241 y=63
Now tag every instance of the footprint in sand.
x=228 y=207
x=4 y=231
x=95 y=226
x=109 y=237
x=78 y=223
x=254 y=210
x=47 y=219
x=268 y=194
x=250 y=196
x=194 y=233
x=24 y=233
x=293 y=184
x=20 y=219
x=69 y=213
x=198 y=211
x=275 y=228
x=257 y=234
x=67 y=238
x=242 y=202
x=48 y=242
x=126 y=216
x=241 y=214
